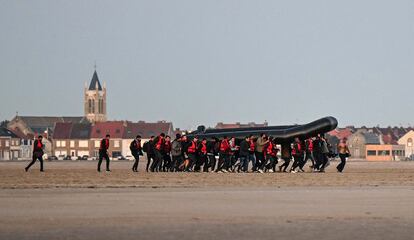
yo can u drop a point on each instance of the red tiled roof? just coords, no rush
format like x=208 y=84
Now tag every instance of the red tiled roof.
x=114 y=128
x=341 y=133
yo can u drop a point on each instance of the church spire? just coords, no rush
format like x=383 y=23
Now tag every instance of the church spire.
x=95 y=84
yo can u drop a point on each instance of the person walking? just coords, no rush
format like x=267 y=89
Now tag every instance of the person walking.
x=176 y=153
x=286 y=156
x=324 y=154
x=159 y=143
x=308 y=154
x=148 y=148
x=136 y=151
x=224 y=155
x=212 y=151
x=270 y=156
x=192 y=154
x=103 y=153
x=260 y=143
x=37 y=154
x=244 y=154
x=252 y=158
x=297 y=153
x=344 y=153
x=167 y=154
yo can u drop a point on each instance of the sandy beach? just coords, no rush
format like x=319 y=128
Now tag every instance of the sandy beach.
x=71 y=201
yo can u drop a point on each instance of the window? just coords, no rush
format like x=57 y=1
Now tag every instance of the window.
x=0 y=143
x=63 y=143
x=83 y=144
x=90 y=106
x=383 y=152
x=57 y=143
x=116 y=144
x=7 y=143
x=371 y=153
x=410 y=142
x=72 y=144
x=97 y=144
x=93 y=106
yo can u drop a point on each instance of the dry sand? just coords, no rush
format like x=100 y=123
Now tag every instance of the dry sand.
x=71 y=201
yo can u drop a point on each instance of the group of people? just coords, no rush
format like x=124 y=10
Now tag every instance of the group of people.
x=234 y=155
x=251 y=154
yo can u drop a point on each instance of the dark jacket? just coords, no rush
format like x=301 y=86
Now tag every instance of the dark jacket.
x=135 y=148
x=103 y=146
x=37 y=148
x=149 y=147
x=244 y=148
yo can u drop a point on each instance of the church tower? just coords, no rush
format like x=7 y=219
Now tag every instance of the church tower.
x=95 y=100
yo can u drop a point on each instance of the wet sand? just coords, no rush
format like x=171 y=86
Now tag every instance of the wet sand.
x=369 y=201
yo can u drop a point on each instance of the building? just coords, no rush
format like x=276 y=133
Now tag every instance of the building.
x=221 y=125
x=26 y=144
x=9 y=145
x=95 y=100
x=385 y=152
x=357 y=142
x=114 y=128
x=72 y=139
x=407 y=141
x=40 y=125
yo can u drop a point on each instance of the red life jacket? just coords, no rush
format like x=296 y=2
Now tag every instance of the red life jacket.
x=224 y=146
x=252 y=146
x=269 y=150
x=39 y=144
x=193 y=147
x=310 y=145
x=107 y=143
x=167 y=148
x=297 y=149
x=159 y=144
x=203 y=148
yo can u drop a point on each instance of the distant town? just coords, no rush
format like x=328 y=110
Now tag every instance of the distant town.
x=78 y=137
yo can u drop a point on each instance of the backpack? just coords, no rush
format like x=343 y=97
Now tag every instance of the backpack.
x=176 y=148
x=145 y=146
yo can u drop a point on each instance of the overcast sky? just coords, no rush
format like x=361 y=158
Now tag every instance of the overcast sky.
x=200 y=62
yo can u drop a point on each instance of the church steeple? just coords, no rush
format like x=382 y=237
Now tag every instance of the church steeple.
x=95 y=100
x=95 y=84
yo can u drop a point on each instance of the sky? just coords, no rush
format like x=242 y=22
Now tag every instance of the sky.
x=201 y=62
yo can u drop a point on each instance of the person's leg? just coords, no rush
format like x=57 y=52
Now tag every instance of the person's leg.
x=40 y=157
x=271 y=163
x=149 y=157
x=107 y=162
x=324 y=162
x=244 y=163
x=100 y=161
x=341 y=165
x=212 y=162
x=274 y=164
x=32 y=162
x=263 y=163
x=285 y=164
x=154 y=165
x=317 y=157
x=135 y=166
x=167 y=163
x=251 y=159
x=206 y=164
x=220 y=162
